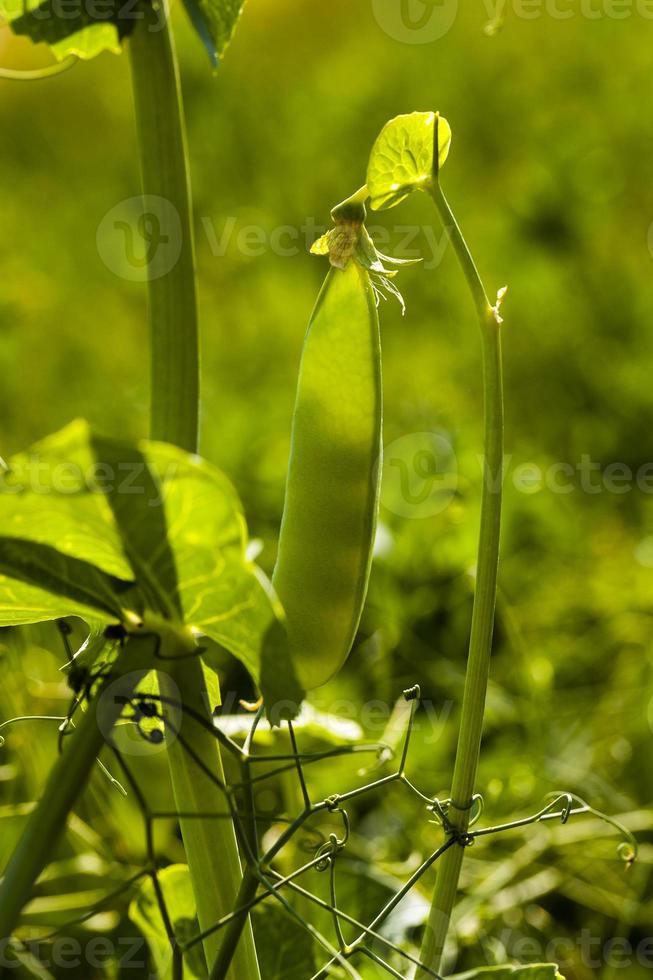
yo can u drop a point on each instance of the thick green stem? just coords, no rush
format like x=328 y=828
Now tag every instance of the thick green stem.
x=211 y=845
x=65 y=784
x=480 y=645
x=168 y=232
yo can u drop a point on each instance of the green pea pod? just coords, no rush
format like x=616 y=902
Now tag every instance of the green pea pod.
x=332 y=492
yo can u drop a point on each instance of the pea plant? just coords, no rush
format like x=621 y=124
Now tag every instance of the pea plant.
x=146 y=546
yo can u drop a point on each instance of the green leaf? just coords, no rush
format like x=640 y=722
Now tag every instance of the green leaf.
x=80 y=28
x=140 y=517
x=36 y=580
x=402 y=158
x=539 y=971
x=55 y=494
x=215 y=22
x=220 y=592
x=285 y=950
x=95 y=528
x=271 y=666
x=144 y=912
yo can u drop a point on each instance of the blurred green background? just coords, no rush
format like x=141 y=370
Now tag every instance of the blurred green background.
x=549 y=175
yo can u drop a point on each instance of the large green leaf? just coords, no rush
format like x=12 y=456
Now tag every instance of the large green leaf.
x=215 y=22
x=95 y=528
x=55 y=493
x=145 y=912
x=21 y=604
x=85 y=28
x=402 y=158
x=39 y=583
x=539 y=971
x=78 y=27
x=140 y=516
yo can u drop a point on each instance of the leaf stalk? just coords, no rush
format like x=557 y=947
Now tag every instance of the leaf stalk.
x=212 y=851
x=480 y=645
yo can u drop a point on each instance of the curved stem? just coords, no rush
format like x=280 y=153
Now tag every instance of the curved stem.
x=38 y=74
x=211 y=848
x=480 y=645
x=484 y=308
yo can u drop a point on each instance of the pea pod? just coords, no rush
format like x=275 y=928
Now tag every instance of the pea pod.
x=332 y=490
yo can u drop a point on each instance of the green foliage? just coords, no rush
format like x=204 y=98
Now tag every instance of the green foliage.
x=286 y=951
x=144 y=911
x=89 y=27
x=402 y=159
x=215 y=22
x=538 y=971
x=553 y=198
x=85 y=31
x=110 y=532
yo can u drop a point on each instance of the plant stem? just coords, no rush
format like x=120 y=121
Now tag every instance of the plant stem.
x=211 y=845
x=66 y=782
x=480 y=644
x=172 y=296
